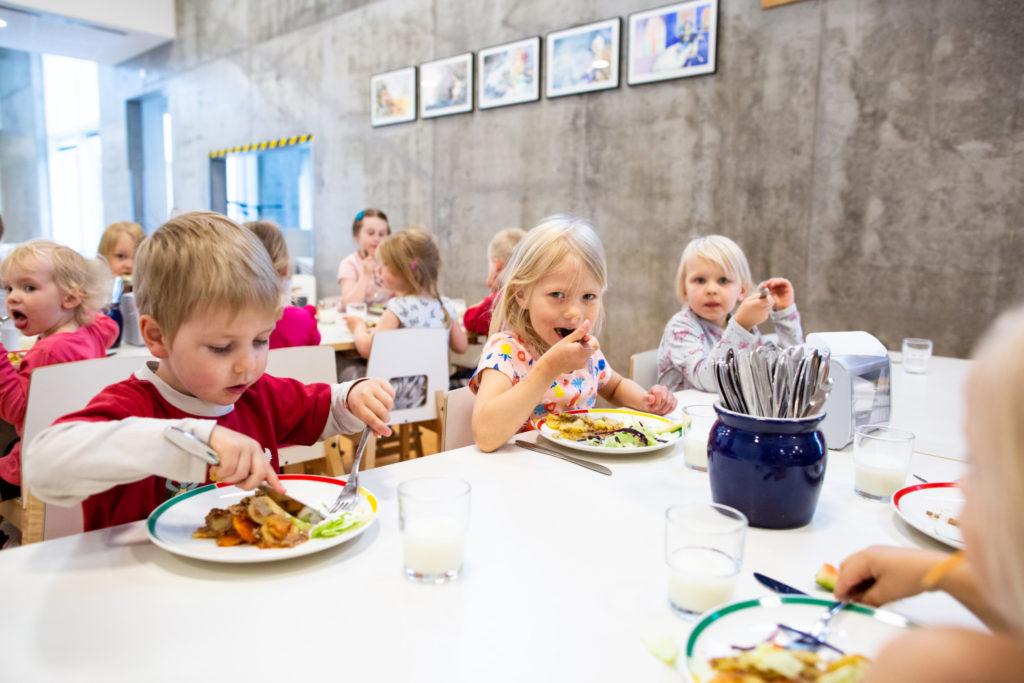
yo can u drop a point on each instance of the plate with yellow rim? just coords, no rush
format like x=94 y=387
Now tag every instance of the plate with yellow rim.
x=630 y=419
x=170 y=526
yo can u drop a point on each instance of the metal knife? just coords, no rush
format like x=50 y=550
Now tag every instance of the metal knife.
x=777 y=586
x=576 y=461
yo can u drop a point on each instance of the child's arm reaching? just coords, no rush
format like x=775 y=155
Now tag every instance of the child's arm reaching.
x=689 y=363
x=785 y=316
x=502 y=407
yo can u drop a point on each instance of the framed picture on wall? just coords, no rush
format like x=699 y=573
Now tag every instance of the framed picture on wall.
x=674 y=41
x=446 y=86
x=582 y=59
x=508 y=74
x=393 y=97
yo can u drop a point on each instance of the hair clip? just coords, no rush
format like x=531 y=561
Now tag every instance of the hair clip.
x=360 y=215
x=414 y=264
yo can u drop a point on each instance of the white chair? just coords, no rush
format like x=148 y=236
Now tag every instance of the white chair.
x=411 y=352
x=308 y=364
x=643 y=368
x=55 y=391
x=456 y=408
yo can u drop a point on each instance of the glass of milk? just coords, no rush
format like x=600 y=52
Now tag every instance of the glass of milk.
x=433 y=514
x=916 y=354
x=881 y=460
x=695 y=440
x=704 y=553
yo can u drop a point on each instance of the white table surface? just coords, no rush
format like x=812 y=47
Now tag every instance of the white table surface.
x=564 y=578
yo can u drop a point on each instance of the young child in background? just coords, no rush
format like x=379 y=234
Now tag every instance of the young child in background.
x=713 y=277
x=53 y=292
x=357 y=273
x=208 y=298
x=990 y=583
x=118 y=245
x=410 y=265
x=297 y=326
x=541 y=357
x=477 y=319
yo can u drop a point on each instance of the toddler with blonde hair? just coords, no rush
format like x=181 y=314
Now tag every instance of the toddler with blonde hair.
x=118 y=246
x=53 y=292
x=541 y=357
x=721 y=310
x=477 y=319
x=209 y=298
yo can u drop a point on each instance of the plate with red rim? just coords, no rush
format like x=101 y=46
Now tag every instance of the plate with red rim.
x=170 y=526
x=930 y=507
x=629 y=418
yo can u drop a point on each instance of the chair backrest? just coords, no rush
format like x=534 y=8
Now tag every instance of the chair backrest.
x=307 y=364
x=643 y=368
x=55 y=391
x=410 y=352
x=457 y=419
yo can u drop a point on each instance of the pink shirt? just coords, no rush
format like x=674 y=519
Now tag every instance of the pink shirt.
x=297 y=327
x=351 y=268
x=88 y=341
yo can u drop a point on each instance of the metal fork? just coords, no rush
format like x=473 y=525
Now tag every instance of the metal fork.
x=348 y=499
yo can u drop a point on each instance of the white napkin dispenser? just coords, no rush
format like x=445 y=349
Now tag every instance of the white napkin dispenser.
x=861 y=390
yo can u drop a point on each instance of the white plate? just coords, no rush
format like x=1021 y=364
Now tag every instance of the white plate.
x=858 y=629
x=627 y=417
x=946 y=499
x=170 y=526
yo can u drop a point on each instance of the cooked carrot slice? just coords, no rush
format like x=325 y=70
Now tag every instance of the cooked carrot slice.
x=244 y=528
x=228 y=540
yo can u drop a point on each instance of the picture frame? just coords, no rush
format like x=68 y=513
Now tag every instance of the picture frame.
x=582 y=58
x=508 y=74
x=446 y=86
x=393 y=97
x=674 y=41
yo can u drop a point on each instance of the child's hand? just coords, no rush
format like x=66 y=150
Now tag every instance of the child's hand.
x=754 y=310
x=659 y=400
x=241 y=460
x=371 y=401
x=781 y=290
x=572 y=352
x=897 y=573
x=354 y=322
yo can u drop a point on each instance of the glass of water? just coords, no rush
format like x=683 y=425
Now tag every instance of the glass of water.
x=356 y=309
x=704 y=553
x=916 y=354
x=695 y=440
x=433 y=513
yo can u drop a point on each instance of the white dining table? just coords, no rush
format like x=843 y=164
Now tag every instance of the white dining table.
x=564 y=580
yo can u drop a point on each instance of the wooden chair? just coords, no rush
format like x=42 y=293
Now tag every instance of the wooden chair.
x=643 y=368
x=404 y=353
x=456 y=410
x=55 y=391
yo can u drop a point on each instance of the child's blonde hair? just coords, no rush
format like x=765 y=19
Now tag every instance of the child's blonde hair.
x=273 y=240
x=412 y=255
x=202 y=261
x=543 y=248
x=504 y=243
x=115 y=230
x=997 y=467
x=721 y=251
x=74 y=274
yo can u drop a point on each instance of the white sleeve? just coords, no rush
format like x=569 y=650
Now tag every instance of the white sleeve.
x=788 y=327
x=683 y=354
x=340 y=420
x=71 y=461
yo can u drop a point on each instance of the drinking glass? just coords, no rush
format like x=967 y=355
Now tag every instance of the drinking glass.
x=881 y=460
x=704 y=553
x=327 y=312
x=356 y=309
x=916 y=353
x=695 y=440
x=433 y=515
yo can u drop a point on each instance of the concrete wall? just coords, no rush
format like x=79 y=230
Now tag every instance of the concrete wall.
x=23 y=168
x=870 y=150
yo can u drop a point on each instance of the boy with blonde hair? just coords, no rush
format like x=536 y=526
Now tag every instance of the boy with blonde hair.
x=721 y=310
x=208 y=298
x=477 y=319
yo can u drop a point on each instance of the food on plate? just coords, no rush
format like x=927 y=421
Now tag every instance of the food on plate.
x=601 y=430
x=346 y=521
x=826 y=577
x=254 y=520
x=950 y=519
x=771 y=662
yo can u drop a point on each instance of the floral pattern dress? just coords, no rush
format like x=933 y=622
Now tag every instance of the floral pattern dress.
x=422 y=311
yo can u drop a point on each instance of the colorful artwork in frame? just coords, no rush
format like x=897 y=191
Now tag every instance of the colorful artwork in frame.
x=582 y=59
x=674 y=41
x=393 y=97
x=446 y=86
x=508 y=74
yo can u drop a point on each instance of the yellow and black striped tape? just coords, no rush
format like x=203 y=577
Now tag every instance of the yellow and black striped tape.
x=260 y=146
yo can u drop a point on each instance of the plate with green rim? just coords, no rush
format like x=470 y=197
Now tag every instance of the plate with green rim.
x=170 y=526
x=858 y=629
